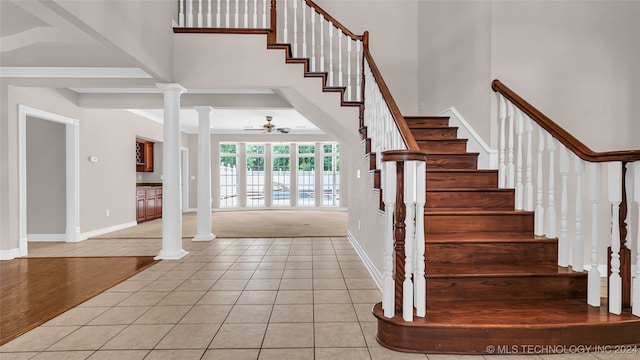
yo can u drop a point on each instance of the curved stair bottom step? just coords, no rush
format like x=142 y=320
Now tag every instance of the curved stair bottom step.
x=594 y=331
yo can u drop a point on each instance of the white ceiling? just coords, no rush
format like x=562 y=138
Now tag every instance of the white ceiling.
x=37 y=43
x=235 y=121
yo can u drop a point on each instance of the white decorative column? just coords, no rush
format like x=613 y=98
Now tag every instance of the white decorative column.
x=172 y=208
x=204 y=174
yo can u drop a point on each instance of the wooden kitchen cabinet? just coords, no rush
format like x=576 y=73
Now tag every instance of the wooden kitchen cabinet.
x=144 y=155
x=148 y=203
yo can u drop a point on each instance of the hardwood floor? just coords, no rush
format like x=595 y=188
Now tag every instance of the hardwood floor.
x=34 y=290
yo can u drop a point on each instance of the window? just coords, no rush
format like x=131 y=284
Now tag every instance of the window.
x=255 y=175
x=331 y=175
x=281 y=175
x=306 y=175
x=228 y=175
x=286 y=176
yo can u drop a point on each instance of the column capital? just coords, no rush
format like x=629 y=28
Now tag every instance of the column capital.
x=171 y=87
x=203 y=109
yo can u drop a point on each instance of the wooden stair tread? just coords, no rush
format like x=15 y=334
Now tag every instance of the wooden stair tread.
x=488 y=237
x=497 y=270
x=463 y=212
x=479 y=189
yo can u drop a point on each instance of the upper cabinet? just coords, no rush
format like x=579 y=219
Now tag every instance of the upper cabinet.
x=144 y=155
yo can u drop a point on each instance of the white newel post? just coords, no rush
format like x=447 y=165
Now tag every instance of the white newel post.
x=519 y=150
x=410 y=204
x=204 y=174
x=595 y=186
x=172 y=208
x=635 y=298
x=614 y=173
x=389 y=198
x=419 y=278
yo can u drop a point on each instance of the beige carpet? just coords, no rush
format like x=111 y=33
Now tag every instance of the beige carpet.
x=259 y=223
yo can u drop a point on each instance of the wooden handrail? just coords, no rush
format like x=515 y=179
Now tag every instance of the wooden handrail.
x=403 y=128
x=333 y=21
x=568 y=140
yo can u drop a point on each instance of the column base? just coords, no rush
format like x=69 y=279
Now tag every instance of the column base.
x=205 y=237
x=165 y=255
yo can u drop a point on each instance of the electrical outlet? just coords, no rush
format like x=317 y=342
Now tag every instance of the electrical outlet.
x=108 y=213
x=358 y=224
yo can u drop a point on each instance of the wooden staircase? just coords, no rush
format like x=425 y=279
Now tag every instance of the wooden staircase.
x=492 y=285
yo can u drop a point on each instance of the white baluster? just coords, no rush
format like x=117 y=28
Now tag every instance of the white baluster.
x=419 y=279
x=246 y=13
x=511 y=131
x=255 y=13
x=181 y=13
x=528 y=186
x=228 y=15
x=304 y=30
x=200 y=18
x=295 y=28
x=218 y=12
x=340 y=79
x=519 y=185
x=189 y=13
x=265 y=10
x=614 y=176
x=389 y=195
x=578 y=245
x=349 y=89
x=551 y=195
x=563 y=241
x=313 y=40
x=539 y=214
x=595 y=187
x=236 y=17
x=358 y=71
x=410 y=204
x=209 y=15
x=330 y=29
x=502 y=115
x=285 y=21
x=635 y=298
x=321 y=43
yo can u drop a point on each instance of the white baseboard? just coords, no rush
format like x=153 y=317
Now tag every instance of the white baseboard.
x=377 y=277
x=46 y=237
x=98 y=232
x=9 y=254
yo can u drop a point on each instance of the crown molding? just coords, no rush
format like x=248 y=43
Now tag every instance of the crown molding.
x=74 y=72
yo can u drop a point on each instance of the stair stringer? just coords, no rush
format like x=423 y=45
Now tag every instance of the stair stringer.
x=487 y=156
x=243 y=62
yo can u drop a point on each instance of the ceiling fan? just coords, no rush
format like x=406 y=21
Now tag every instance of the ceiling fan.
x=270 y=128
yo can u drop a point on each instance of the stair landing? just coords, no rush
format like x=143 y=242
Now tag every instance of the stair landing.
x=516 y=327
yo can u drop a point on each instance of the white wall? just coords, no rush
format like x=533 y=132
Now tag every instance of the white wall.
x=140 y=30
x=109 y=135
x=393 y=41
x=577 y=61
x=455 y=60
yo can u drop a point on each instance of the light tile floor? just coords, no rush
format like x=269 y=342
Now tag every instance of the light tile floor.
x=267 y=298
